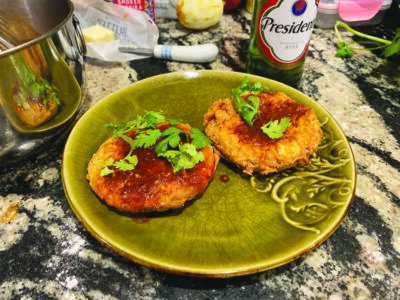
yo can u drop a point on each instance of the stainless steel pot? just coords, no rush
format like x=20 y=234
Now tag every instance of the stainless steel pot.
x=41 y=74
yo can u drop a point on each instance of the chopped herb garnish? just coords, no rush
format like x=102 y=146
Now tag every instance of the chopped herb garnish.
x=126 y=164
x=106 y=171
x=199 y=140
x=247 y=109
x=147 y=138
x=186 y=158
x=181 y=153
x=172 y=139
x=275 y=129
x=149 y=120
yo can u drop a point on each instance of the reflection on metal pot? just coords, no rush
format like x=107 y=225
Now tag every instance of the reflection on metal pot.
x=41 y=75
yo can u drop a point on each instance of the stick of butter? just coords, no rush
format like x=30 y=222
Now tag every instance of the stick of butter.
x=97 y=33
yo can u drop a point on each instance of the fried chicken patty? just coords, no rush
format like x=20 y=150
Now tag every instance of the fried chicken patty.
x=152 y=185
x=250 y=148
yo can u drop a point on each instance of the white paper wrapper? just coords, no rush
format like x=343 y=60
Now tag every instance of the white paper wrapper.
x=130 y=27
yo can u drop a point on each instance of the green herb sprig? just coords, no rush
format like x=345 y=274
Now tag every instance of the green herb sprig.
x=179 y=152
x=345 y=50
x=247 y=109
x=275 y=129
x=185 y=158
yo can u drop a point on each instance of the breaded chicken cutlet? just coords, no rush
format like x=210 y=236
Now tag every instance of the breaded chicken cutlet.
x=249 y=147
x=152 y=185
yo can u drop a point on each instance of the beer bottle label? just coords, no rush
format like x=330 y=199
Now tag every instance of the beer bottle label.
x=285 y=28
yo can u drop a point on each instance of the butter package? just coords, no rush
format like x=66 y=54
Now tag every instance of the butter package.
x=107 y=26
x=97 y=33
x=144 y=5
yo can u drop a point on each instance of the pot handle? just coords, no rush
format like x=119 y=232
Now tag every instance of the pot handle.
x=80 y=41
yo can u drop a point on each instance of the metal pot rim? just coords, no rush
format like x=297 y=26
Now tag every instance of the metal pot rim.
x=43 y=36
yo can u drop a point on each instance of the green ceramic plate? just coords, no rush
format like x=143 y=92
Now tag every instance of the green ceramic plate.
x=240 y=226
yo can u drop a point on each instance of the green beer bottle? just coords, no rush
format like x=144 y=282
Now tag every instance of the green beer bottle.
x=279 y=38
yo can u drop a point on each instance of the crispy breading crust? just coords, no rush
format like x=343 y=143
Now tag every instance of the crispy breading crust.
x=152 y=185
x=254 y=151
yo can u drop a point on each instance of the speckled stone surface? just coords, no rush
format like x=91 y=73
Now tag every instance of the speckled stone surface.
x=46 y=253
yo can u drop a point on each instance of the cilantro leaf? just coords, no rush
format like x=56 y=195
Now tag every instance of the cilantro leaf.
x=123 y=127
x=394 y=46
x=147 y=138
x=149 y=120
x=172 y=139
x=174 y=122
x=199 y=139
x=130 y=141
x=147 y=135
x=186 y=158
x=127 y=164
x=152 y=118
x=275 y=129
x=344 y=50
x=106 y=171
x=248 y=109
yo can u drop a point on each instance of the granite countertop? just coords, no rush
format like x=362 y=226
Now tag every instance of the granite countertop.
x=46 y=253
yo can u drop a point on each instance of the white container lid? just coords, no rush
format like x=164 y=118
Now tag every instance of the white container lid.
x=328 y=6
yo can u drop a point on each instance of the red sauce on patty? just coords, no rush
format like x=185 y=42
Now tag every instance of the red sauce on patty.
x=142 y=183
x=268 y=111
